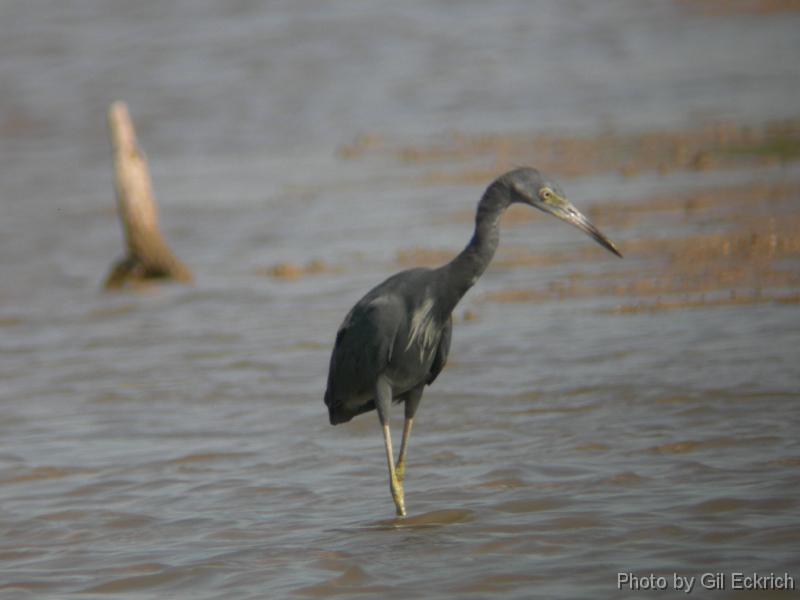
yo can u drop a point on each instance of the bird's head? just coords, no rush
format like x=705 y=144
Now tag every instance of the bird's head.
x=530 y=187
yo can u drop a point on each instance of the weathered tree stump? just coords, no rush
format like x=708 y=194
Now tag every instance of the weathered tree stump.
x=148 y=255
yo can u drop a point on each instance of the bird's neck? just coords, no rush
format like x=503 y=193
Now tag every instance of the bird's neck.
x=465 y=269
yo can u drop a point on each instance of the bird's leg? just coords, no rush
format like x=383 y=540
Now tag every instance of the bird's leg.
x=412 y=401
x=395 y=485
x=400 y=469
x=383 y=400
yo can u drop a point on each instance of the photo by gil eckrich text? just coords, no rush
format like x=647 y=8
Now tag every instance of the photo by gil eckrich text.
x=720 y=580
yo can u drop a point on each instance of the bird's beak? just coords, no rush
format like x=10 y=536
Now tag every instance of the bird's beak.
x=564 y=210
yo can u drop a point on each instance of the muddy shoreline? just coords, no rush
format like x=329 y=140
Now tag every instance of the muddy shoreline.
x=717 y=245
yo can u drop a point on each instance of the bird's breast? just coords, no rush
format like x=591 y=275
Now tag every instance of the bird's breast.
x=423 y=330
x=415 y=350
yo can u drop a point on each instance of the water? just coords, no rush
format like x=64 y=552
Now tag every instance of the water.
x=173 y=443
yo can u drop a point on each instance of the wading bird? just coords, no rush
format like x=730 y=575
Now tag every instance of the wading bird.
x=396 y=339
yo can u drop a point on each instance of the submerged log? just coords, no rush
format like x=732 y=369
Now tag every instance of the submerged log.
x=148 y=255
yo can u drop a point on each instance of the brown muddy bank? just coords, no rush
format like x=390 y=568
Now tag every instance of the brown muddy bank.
x=723 y=145
x=750 y=253
x=714 y=245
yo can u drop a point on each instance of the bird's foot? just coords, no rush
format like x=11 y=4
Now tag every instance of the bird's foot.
x=398 y=495
x=400 y=507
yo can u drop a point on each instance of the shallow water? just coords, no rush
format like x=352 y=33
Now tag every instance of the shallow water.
x=173 y=442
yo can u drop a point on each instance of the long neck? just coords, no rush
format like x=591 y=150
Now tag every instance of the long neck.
x=463 y=271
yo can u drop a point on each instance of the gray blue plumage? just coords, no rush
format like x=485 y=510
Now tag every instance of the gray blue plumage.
x=397 y=329
x=396 y=339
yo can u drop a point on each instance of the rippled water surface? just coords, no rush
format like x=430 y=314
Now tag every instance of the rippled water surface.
x=173 y=442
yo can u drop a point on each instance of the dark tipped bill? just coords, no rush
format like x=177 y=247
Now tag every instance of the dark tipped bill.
x=570 y=214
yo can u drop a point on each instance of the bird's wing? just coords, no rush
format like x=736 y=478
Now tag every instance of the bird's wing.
x=440 y=360
x=362 y=350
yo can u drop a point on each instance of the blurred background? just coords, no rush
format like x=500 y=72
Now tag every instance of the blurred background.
x=597 y=415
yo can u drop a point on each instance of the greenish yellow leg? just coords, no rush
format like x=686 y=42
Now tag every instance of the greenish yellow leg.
x=395 y=484
x=401 y=462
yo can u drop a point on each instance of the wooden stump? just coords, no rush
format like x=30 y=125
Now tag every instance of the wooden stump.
x=148 y=255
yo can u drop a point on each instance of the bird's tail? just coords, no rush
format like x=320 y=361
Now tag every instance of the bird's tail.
x=336 y=417
x=338 y=413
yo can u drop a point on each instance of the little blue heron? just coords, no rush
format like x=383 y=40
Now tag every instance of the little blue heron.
x=396 y=339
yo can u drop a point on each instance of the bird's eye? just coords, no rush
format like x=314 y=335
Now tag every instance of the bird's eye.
x=546 y=194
